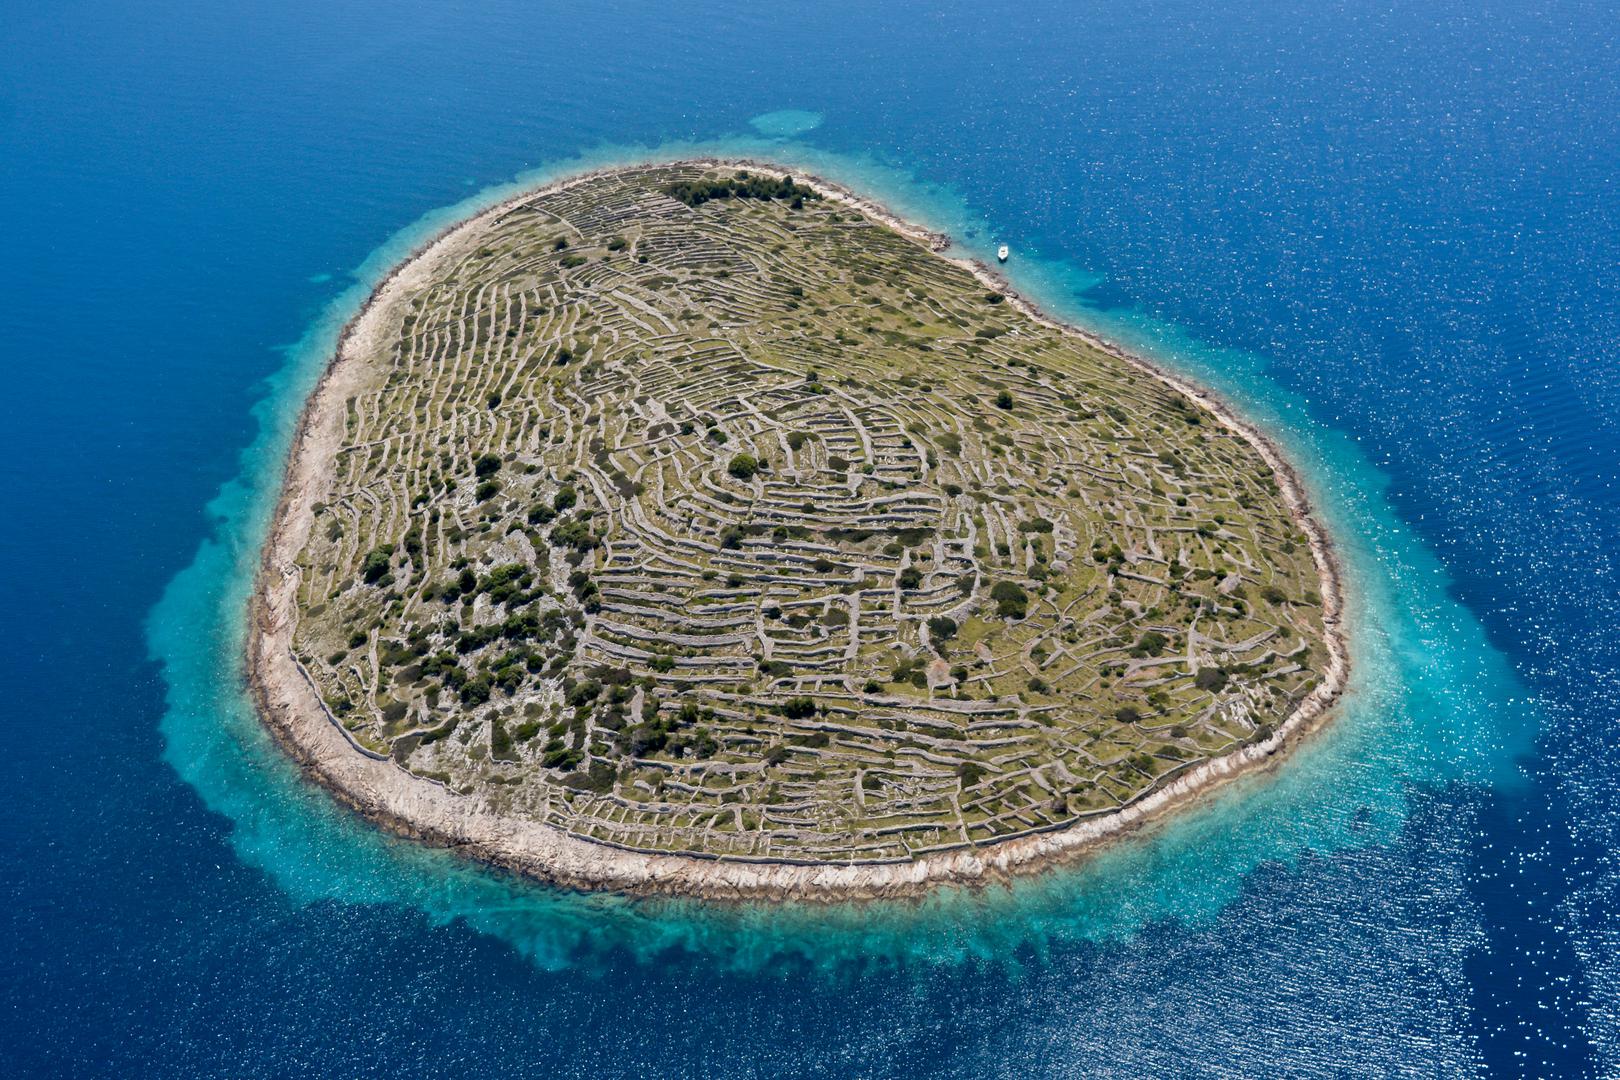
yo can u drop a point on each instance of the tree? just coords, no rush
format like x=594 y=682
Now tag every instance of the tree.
x=1210 y=678
x=910 y=577
x=743 y=466
x=377 y=563
x=1151 y=643
x=799 y=708
x=742 y=186
x=574 y=533
x=1004 y=400
x=1012 y=602
x=475 y=691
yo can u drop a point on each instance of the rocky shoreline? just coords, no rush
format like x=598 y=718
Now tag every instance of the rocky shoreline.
x=428 y=811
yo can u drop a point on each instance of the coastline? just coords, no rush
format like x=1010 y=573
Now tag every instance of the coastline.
x=427 y=811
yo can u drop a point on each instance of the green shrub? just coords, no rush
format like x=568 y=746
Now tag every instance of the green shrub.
x=500 y=741
x=741 y=186
x=798 y=708
x=476 y=691
x=598 y=778
x=1012 y=602
x=561 y=757
x=1151 y=643
x=376 y=563
x=574 y=533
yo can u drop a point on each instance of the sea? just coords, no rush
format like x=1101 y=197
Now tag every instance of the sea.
x=1387 y=232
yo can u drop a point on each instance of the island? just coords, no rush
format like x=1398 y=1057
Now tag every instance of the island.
x=699 y=528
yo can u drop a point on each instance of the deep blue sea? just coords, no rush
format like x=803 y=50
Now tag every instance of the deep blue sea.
x=1388 y=231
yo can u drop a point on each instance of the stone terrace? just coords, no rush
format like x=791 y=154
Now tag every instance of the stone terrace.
x=754 y=529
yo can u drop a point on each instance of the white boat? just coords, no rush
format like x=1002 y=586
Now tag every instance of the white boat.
x=1002 y=253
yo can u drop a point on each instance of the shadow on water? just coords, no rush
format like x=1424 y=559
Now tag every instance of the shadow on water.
x=1430 y=703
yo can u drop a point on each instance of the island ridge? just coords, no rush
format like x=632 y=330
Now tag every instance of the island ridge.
x=696 y=528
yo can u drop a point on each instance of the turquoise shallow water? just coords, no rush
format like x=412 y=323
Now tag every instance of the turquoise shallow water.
x=1425 y=706
x=1385 y=235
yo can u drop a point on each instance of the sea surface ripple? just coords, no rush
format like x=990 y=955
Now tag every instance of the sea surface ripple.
x=1387 y=234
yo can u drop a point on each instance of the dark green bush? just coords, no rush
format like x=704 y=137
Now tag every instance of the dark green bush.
x=741 y=186
x=1012 y=602
x=376 y=563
